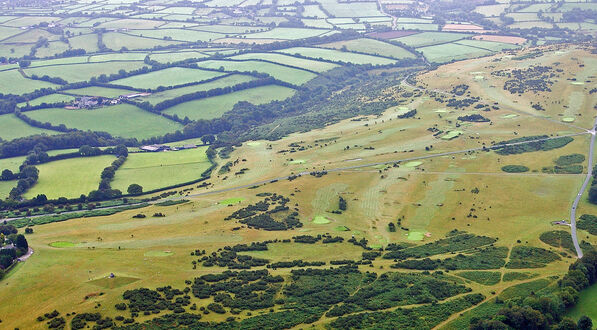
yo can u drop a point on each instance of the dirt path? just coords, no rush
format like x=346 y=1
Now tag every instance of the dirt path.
x=26 y=255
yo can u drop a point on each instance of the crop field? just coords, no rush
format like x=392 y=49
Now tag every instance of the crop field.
x=14 y=128
x=83 y=72
x=226 y=81
x=69 y=177
x=214 y=107
x=316 y=66
x=337 y=56
x=290 y=75
x=156 y=170
x=371 y=46
x=123 y=120
x=167 y=77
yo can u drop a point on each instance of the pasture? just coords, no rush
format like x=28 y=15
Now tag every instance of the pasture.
x=48 y=99
x=430 y=38
x=99 y=91
x=311 y=65
x=290 y=75
x=12 y=82
x=123 y=120
x=336 y=56
x=12 y=163
x=226 y=81
x=69 y=177
x=14 y=128
x=83 y=72
x=118 y=41
x=370 y=46
x=186 y=35
x=216 y=106
x=449 y=52
x=163 y=169
x=587 y=305
x=168 y=77
x=6 y=187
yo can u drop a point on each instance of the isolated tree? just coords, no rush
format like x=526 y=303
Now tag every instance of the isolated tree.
x=135 y=189
x=121 y=150
x=21 y=242
x=208 y=139
x=593 y=194
x=585 y=323
x=7 y=175
x=5 y=261
x=41 y=198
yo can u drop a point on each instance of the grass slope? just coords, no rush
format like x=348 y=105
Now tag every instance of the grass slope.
x=69 y=177
x=216 y=106
x=123 y=120
x=12 y=127
x=157 y=170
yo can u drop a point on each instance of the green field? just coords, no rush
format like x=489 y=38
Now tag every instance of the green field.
x=6 y=187
x=14 y=128
x=450 y=52
x=162 y=169
x=174 y=57
x=99 y=91
x=178 y=34
x=488 y=45
x=430 y=38
x=586 y=305
x=48 y=99
x=231 y=201
x=12 y=163
x=214 y=107
x=320 y=220
x=83 y=72
x=316 y=66
x=290 y=75
x=167 y=77
x=114 y=40
x=120 y=120
x=62 y=244
x=337 y=56
x=231 y=80
x=12 y=82
x=371 y=46
x=69 y=177
x=286 y=33
x=113 y=283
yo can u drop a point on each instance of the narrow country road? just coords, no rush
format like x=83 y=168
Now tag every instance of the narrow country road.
x=26 y=255
x=580 y=193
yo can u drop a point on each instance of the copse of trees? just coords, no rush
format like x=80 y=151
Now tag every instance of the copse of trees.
x=544 y=312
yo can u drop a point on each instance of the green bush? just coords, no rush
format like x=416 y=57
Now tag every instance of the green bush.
x=515 y=168
x=570 y=159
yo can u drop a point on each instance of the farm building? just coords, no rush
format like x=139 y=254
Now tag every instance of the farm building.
x=156 y=147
